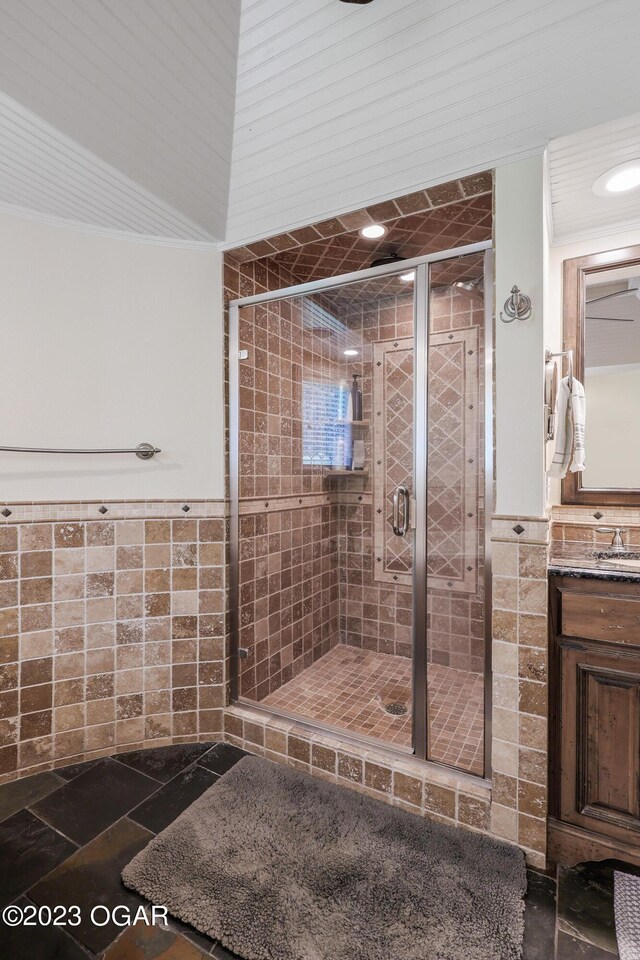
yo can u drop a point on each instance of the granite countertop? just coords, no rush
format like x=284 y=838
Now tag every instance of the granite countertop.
x=577 y=560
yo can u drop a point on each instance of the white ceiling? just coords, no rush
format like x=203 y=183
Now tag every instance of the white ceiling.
x=145 y=86
x=575 y=162
x=341 y=105
x=120 y=113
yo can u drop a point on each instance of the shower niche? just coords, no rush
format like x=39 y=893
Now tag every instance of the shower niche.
x=359 y=470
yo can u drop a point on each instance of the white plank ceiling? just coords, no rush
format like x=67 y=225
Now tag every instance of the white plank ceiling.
x=147 y=87
x=341 y=105
x=121 y=114
x=575 y=162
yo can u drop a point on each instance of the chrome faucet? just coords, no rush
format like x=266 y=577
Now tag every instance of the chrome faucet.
x=617 y=543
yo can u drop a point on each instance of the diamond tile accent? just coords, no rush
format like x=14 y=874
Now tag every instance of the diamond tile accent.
x=453 y=470
x=6 y=512
x=518 y=529
x=598 y=515
x=393 y=440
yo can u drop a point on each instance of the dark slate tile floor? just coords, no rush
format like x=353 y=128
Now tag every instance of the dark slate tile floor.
x=65 y=837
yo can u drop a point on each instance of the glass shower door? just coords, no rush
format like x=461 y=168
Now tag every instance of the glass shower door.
x=456 y=575
x=359 y=576
x=323 y=494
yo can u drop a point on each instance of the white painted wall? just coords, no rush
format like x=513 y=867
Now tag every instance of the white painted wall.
x=107 y=342
x=520 y=259
x=553 y=319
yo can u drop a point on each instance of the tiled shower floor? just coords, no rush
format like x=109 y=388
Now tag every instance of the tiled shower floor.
x=348 y=688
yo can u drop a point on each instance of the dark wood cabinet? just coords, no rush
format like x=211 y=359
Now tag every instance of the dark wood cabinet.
x=595 y=720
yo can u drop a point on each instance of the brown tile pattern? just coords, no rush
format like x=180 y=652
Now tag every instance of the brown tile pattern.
x=111 y=634
x=289 y=343
x=453 y=511
x=304 y=339
x=456 y=717
x=456 y=488
x=452 y=193
x=392 y=454
x=374 y=616
x=350 y=688
x=577 y=524
x=289 y=607
x=375 y=611
x=520 y=683
x=439 y=794
x=410 y=236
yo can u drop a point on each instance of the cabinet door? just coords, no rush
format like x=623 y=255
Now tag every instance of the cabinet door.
x=600 y=740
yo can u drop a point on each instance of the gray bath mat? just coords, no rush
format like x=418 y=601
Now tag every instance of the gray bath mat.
x=626 y=904
x=279 y=865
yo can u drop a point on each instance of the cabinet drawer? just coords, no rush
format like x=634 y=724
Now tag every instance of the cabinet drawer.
x=594 y=617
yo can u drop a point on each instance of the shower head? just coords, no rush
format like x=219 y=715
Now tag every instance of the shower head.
x=386 y=260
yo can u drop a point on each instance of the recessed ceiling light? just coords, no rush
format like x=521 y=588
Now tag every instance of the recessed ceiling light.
x=407 y=277
x=374 y=232
x=351 y=353
x=620 y=179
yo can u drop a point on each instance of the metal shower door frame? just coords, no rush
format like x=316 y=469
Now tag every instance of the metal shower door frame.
x=421 y=266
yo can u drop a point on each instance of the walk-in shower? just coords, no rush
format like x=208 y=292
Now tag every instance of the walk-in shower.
x=360 y=580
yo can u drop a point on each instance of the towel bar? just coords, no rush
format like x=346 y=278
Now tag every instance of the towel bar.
x=144 y=450
x=551 y=388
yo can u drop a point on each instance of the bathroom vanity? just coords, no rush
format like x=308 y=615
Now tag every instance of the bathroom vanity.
x=594 y=711
x=594 y=602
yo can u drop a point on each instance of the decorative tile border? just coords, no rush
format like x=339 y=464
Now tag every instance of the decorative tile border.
x=391 y=452
x=520 y=529
x=59 y=511
x=575 y=524
x=275 y=504
x=454 y=428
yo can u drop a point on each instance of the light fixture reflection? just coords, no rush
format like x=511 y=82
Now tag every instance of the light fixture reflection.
x=407 y=277
x=351 y=353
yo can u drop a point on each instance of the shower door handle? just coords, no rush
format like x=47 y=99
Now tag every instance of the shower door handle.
x=400 y=518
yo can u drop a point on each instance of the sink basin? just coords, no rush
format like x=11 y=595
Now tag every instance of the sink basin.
x=609 y=555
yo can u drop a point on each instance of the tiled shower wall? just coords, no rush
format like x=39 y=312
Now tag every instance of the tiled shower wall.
x=288 y=592
x=112 y=634
x=285 y=345
x=520 y=683
x=288 y=526
x=456 y=491
x=375 y=614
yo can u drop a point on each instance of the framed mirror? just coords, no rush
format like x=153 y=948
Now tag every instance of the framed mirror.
x=602 y=327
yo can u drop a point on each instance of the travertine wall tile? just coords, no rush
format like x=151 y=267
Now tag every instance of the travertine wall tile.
x=104 y=642
x=520 y=760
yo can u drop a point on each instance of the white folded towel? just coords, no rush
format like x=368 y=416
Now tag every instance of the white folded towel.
x=570 y=420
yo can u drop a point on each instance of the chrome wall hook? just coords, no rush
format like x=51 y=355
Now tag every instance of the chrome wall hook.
x=516 y=307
